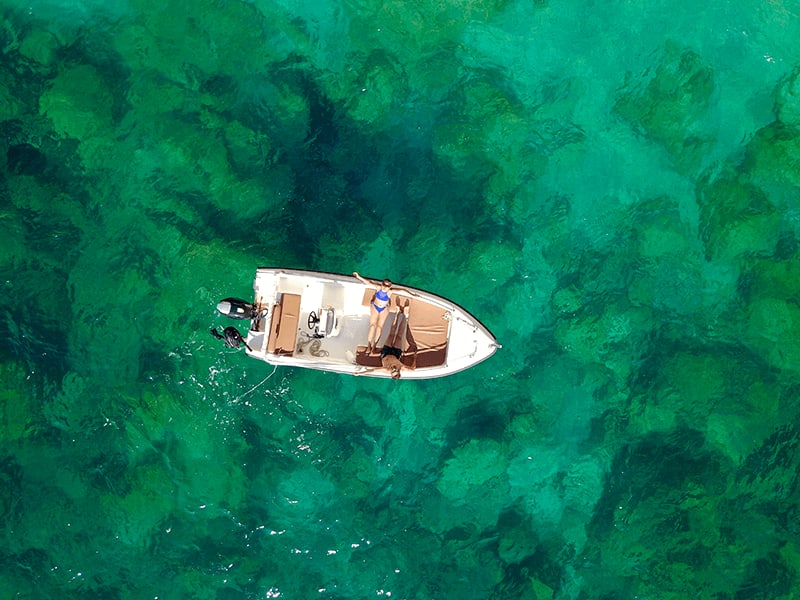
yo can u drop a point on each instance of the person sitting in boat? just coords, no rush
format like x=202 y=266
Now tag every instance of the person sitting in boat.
x=379 y=305
x=392 y=351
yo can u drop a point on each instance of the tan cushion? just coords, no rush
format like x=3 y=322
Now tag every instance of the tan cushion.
x=426 y=337
x=283 y=331
x=427 y=333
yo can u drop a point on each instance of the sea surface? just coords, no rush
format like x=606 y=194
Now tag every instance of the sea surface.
x=613 y=188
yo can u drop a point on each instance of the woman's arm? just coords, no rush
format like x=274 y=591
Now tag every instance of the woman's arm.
x=404 y=291
x=364 y=280
x=372 y=282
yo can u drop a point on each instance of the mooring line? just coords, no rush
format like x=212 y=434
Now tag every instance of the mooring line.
x=253 y=389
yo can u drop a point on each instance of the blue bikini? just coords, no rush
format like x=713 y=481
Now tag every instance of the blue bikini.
x=383 y=297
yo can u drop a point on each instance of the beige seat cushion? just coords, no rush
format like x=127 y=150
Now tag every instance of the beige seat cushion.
x=283 y=330
x=426 y=336
x=428 y=331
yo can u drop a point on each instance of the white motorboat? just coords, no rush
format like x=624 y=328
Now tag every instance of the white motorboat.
x=321 y=321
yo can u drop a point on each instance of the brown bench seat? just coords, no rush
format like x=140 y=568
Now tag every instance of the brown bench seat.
x=426 y=336
x=283 y=329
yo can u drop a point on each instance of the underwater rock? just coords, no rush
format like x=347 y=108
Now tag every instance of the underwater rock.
x=774 y=278
x=420 y=28
x=79 y=103
x=655 y=499
x=222 y=87
x=473 y=485
x=567 y=300
x=374 y=96
x=485 y=135
x=670 y=285
x=10 y=106
x=615 y=339
x=275 y=132
x=16 y=405
x=787 y=103
x=773 y=332
x=472 y=465
x=741 y=424
x=220 y=38
x=248 y=151
x=491 y=264
x=661 y=230
x=25 y=159
x=39 y=47
x=518 y=537
x=773 y=161
x=736 y=218
x=684 y=387
x=360 y=473
x=434 y=73
x=673 y=105
x=699 y=381
x=137 y=515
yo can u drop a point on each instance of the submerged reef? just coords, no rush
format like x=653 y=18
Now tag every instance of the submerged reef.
x=567 y=174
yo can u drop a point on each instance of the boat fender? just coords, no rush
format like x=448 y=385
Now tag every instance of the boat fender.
x=236 y=309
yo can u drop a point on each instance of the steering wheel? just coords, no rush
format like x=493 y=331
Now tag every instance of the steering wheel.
x=313 y=319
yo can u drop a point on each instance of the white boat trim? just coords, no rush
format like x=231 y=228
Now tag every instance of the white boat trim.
x=283 y=334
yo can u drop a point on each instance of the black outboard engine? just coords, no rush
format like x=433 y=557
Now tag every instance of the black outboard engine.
x=237 y=309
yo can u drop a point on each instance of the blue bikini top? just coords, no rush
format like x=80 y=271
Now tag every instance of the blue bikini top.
x=381 y=295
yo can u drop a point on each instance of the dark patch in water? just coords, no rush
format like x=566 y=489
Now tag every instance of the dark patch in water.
x=25 y=159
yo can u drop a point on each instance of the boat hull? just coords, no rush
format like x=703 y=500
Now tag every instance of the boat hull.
x=319 y=320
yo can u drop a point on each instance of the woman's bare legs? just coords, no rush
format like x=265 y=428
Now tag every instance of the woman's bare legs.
x=376 y=323
x=379 y=323
x=373 y=324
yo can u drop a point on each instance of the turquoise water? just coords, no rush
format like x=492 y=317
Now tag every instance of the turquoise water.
x=613 y=188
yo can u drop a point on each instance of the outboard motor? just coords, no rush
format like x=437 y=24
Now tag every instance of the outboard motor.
x=237 y=309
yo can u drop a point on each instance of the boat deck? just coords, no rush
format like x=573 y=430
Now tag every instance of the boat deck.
x=441 y=337
x=290 y=301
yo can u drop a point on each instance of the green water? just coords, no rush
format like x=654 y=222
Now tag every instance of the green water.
x=612 y=188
